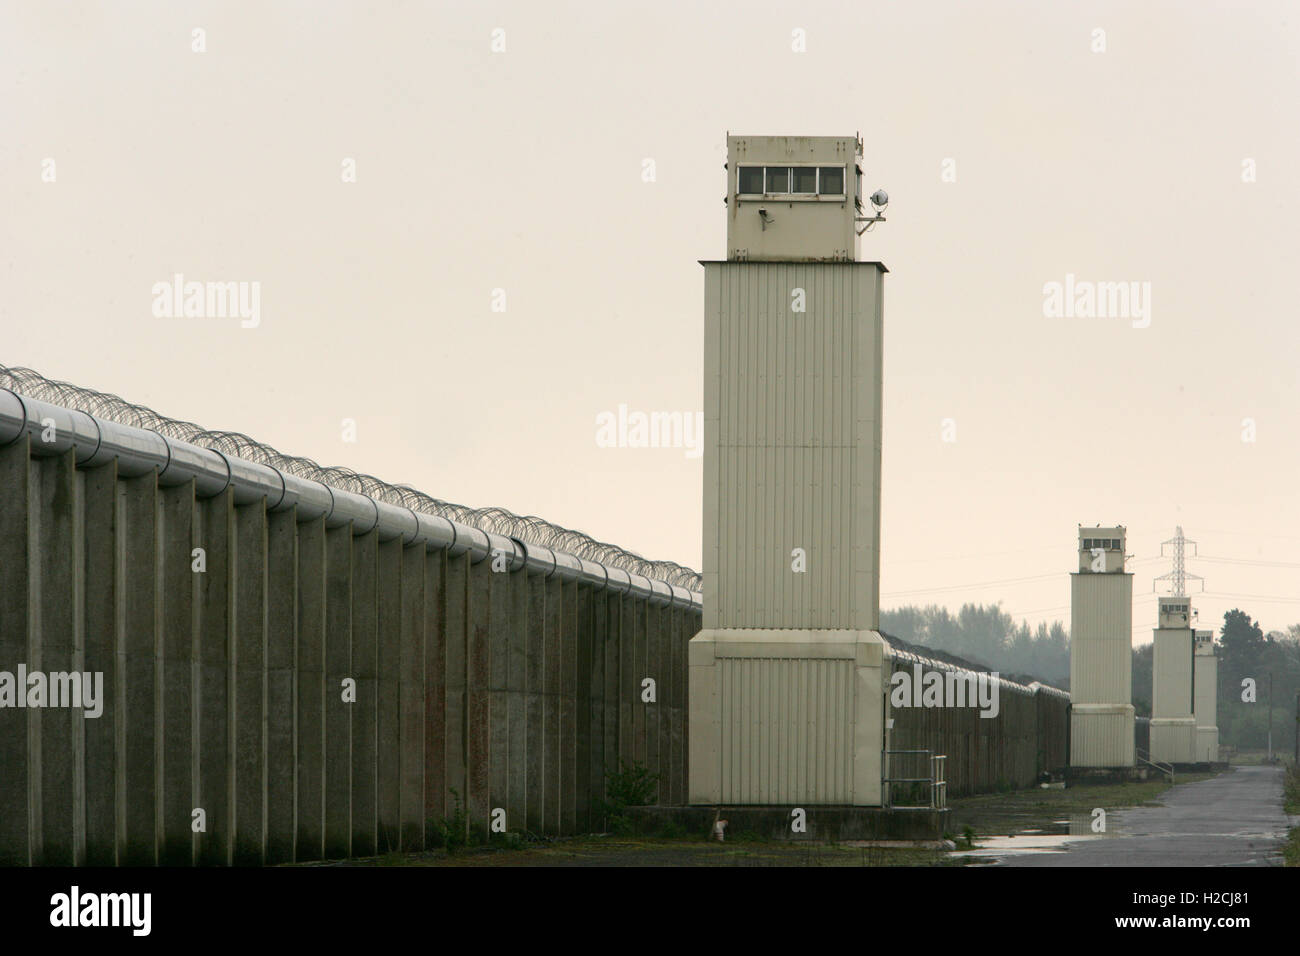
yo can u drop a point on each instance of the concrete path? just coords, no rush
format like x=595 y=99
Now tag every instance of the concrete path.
x=1235 y=819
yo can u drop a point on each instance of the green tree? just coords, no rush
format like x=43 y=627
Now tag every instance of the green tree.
x=1143 y=666
x=1243 y=643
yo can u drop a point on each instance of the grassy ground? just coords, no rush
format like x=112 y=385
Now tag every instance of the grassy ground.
x=985 y=815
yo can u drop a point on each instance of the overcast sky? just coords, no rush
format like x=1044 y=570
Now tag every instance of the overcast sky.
x=1168 y=158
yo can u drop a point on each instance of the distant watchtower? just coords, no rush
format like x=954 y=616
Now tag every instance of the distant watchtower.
x=1206 y=687
x=1173 y=728
x=785 y=678
x=1101 y=648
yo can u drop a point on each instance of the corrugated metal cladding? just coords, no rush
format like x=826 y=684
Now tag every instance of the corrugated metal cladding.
x=1101 y=638
x=1173 y=742
x=1207 y=685
x=1172 y=671
x=1101 y=740
x=788 y=730
x=792 y=420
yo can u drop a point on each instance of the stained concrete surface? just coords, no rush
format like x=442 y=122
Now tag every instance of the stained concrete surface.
x=1234 y=819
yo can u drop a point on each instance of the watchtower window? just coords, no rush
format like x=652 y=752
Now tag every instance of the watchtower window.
x=830 y=180
x=751 y=180
x=805 y=179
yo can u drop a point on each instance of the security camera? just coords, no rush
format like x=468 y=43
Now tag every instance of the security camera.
x=880 y=198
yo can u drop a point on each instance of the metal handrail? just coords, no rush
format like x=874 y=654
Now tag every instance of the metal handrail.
x=936 y=779
x=1166 y=768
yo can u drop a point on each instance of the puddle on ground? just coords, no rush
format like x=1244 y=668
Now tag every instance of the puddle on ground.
x=1050 y=838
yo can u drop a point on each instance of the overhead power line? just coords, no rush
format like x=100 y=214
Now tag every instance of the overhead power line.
x=1250 y=562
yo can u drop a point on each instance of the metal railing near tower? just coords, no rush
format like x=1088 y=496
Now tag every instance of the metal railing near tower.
x=923 y=777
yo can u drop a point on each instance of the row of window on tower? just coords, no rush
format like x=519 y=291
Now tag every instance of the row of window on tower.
x=1106 y=544
x=790 y=180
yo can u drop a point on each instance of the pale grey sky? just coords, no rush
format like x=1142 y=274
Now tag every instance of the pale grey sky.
x=522 y=170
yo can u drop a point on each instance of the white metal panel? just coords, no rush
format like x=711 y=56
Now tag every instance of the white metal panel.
x=788 y=729
x=1173 y=740
x=1101 y=662
x=793 y=430
x=1207 y=701
x=1101 y=643
x=1171 y=673
x=1102 y=737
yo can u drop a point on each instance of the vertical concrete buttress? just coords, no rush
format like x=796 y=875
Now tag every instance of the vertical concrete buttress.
x=418 y=685
x=516 y=804
x=390 y=696
x=16 y=837
x=364 y=709
x=137 y=638
x=100 y=596
x=338 y=713
x=247 y=702
x=175 y=771
x=309 y=741
x=533 y=624
x=281 y=699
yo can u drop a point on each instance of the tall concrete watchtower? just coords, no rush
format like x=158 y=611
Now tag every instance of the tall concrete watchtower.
x=1173 y=728
x=1206 y=693
x=786 y=694
x=1101 y=648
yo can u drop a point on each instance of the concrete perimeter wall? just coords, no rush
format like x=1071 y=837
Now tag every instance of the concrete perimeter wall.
x=223 y=689
x=1028 y=736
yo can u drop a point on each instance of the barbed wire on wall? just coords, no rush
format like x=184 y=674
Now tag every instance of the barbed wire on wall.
x=528 y=528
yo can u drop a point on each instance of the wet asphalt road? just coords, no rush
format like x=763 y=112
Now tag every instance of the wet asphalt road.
x=1235 y=819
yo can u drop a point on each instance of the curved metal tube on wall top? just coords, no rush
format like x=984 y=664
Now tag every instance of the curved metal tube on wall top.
x=903 y=656
x=396 y=522
x=189 y=462
x=515 y=558
x=593 y=573
x=437 y=533
x=312 y=499
x=620 y=582
x=139 y=451
x=640 y=586
x=662 y=593
x=567 y=566
x=536 y=557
